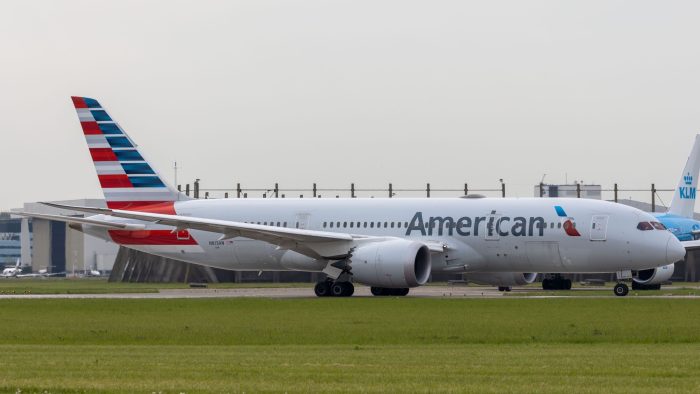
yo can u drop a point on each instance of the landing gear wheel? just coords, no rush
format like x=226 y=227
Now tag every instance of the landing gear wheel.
x=349 y=289
x=621 y=289
x=322 y=289
x=556 y=283
x=547 y=284
x=504 y=288
x=337 y=289
x=400 y=292
x=342 y=289
x=378 y=291
x=567 y=284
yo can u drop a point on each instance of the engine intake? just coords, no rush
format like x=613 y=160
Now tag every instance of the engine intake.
x=654 y=276
x=392 y=264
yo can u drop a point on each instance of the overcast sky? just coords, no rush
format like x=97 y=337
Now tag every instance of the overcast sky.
x=369 y=92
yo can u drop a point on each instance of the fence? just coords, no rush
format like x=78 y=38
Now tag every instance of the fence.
x=390 y=191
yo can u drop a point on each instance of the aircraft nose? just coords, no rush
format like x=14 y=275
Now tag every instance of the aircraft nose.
x=674 y=250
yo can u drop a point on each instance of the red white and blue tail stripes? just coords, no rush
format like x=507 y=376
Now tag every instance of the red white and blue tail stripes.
x=127 y=179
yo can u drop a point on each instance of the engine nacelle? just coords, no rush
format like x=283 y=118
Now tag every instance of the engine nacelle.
x=504 y=279
x=391 y=264
x=654 y=276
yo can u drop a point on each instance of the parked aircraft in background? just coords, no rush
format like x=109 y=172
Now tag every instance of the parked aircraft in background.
x=389 y=244
x=679 y=217
x=43 y=273
x=11 y=272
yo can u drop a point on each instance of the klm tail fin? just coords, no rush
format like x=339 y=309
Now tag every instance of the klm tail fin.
x=128 y=181
x=683 y=203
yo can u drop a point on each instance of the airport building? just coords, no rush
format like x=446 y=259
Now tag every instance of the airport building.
x=576 y=190
x=11 y=239
x=56 y=248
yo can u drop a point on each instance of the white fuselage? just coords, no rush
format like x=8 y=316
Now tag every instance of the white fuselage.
x=479 y=234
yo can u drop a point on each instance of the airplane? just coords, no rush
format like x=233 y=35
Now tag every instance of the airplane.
x=42 y=273
x=11 y=272
x=93 y=273
x=389 y=244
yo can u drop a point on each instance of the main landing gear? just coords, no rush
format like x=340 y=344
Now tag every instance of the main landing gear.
x=328 y=288
x=504 y=288
x=556 y=282
x=385 y=291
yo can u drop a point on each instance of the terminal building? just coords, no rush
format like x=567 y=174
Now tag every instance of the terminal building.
x=53 y=246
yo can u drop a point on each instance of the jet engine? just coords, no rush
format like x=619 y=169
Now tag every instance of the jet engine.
x=391 y=264
x=502 y=279
x=652 y=278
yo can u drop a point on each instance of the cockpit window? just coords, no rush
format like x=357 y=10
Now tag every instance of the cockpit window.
x=658 y=226
x=644 y=226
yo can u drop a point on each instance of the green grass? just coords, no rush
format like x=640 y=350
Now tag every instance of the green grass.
x=561 y=368
x=364 y=344
x=101 y=286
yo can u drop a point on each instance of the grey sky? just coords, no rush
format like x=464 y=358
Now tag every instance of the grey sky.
x=335 y=92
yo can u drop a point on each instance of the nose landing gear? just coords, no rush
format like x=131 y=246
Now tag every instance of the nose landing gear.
x=621 y=289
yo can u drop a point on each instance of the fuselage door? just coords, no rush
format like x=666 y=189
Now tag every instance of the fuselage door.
x=599 y=227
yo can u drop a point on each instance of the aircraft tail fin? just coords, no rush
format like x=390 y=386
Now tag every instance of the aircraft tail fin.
x=683 y=202
x=128 y=181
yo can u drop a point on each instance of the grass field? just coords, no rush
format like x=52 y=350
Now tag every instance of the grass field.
x=364 y=344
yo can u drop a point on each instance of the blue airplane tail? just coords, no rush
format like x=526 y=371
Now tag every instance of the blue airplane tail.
x=683 y=202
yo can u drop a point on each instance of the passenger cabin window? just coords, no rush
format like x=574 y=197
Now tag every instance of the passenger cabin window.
x=331 y=224
x=324 y=224
x=644 y=226
x=658 y=226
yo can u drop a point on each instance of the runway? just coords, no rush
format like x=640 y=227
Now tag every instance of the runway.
x=303 y=292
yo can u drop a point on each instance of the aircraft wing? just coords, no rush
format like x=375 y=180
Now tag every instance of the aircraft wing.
x=691 y=245
x=77 y=220
x=316 y=244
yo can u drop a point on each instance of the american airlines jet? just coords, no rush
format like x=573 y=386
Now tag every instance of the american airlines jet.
x=389 y=244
